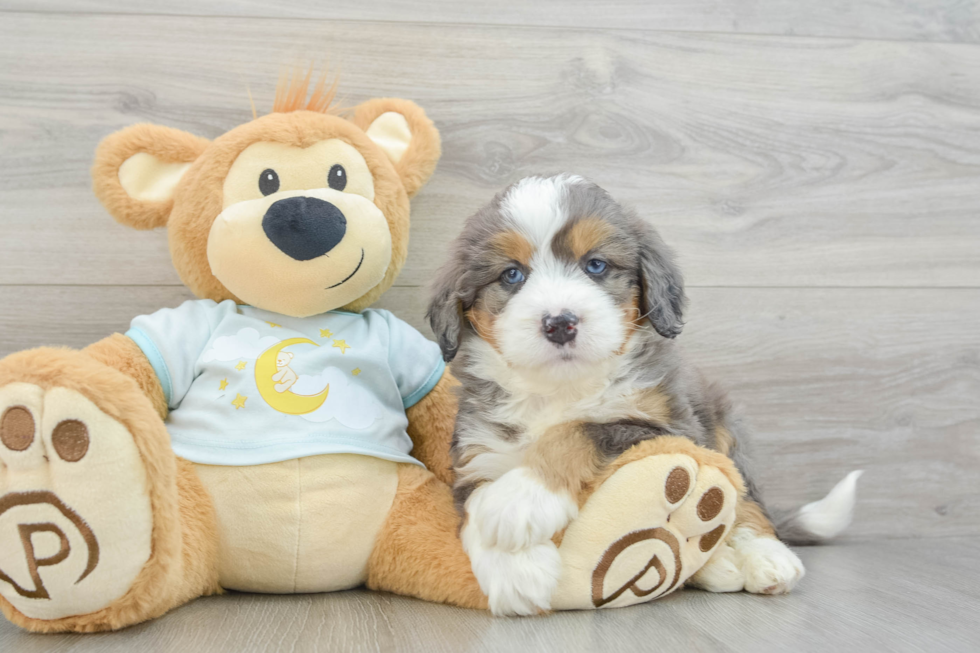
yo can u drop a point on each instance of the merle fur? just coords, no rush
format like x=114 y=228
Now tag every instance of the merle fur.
x=697 y=406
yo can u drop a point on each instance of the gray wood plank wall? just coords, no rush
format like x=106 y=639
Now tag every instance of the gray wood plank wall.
x=823 y=193
x=929 y=20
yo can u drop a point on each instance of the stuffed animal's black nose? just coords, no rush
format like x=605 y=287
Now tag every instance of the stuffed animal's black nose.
x=561 y=328
x=304 y=227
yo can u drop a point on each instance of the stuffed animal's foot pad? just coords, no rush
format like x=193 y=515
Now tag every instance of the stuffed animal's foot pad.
x=75 y=517
x=643 y=532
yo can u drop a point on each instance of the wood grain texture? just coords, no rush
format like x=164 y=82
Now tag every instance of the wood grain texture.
x=822 y=193
x=830 y=379
x=896 y=596
x=766 y=161
x=931 y=20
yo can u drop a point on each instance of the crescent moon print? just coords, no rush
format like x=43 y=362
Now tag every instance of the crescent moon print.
x=274 y=378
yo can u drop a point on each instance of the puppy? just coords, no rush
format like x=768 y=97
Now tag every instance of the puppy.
x=559 y=308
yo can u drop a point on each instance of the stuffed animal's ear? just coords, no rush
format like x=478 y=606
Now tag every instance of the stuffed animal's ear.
x=403 y=131
x=137 y=169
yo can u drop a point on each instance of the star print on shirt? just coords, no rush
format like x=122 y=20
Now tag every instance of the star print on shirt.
x=239 y=401
x=241 y=365
x=224 y=384
x=341 y=345
x=273 y=325
x=325 y=333
x=355 y=371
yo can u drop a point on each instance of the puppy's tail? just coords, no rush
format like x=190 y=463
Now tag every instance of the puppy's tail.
x=821 y=520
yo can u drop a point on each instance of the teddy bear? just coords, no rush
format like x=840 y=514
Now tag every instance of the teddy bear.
x=285 y=377
x=276 y=434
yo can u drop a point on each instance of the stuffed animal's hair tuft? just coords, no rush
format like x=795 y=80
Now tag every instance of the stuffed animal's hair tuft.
x=292 y=90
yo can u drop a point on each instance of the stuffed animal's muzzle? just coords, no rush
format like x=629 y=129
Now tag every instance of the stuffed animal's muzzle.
x=300 y=253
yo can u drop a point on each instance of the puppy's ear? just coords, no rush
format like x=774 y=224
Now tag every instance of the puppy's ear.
x=405 y=134
x=137 y=169
x=445 y=312
x=663 y=299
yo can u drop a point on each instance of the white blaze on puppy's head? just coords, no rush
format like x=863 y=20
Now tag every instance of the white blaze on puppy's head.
x=537 y=206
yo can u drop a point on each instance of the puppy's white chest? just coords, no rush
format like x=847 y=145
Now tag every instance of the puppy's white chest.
x=536 y=414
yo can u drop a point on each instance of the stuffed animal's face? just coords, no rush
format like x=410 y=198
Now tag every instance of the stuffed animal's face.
x=296 y=212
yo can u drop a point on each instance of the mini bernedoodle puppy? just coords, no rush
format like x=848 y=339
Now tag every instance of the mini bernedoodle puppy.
x=559 y=309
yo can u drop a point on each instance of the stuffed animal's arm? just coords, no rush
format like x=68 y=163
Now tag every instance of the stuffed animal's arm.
x=430 y=425
x=121 y=353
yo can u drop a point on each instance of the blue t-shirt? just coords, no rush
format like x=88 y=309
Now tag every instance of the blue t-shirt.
x=247 y=387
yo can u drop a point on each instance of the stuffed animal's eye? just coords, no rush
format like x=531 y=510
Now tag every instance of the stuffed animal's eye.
x=595 y=266
x=512 y=276
x=337 y=177
x=268 y=181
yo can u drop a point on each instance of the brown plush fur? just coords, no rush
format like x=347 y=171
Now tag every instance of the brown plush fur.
x=198 y=200
x=180 y=533
x=168 y=145
x=419 y=161
x=200 y=537
x=417 y=552
x=120 y=353
x=430 y=425
x=667 y=445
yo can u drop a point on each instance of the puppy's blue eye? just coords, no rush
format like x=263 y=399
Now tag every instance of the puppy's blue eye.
x=512 y=276
x=595 y=266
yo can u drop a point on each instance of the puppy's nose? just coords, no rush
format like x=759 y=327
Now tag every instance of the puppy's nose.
x=561 y=328
x=304 y=228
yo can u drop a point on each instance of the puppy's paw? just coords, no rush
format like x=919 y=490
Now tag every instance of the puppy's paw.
x=517 y=511
x=769 y=566
x=721 y=573
x=515 y=582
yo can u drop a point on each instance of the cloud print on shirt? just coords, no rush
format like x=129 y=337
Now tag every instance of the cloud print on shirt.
x=349 y=403
x=245 y=344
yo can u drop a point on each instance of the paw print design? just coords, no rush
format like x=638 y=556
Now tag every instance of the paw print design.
x=643 y=532
x=75 y=516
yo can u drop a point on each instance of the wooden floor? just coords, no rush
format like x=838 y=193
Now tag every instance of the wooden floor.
x=815 y=163
x=898 y=596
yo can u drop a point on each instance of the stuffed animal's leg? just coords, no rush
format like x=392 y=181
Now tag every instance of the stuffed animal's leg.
x=651 y=518
x=418 y=552
x=101 y=526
